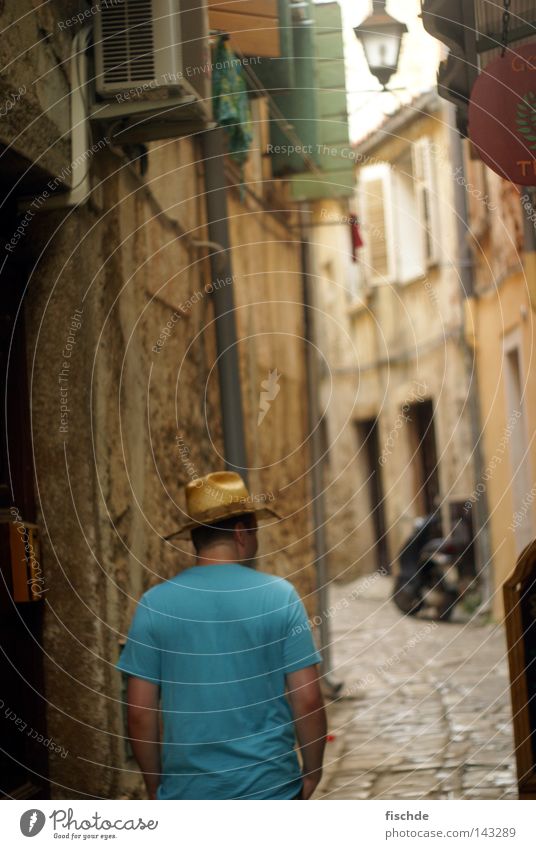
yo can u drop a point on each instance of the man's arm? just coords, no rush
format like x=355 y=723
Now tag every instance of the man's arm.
x=144 y=730
x=307 y=707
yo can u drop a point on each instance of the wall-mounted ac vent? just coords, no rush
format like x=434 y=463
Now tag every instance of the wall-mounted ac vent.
x=152 y=61
x=127 y=54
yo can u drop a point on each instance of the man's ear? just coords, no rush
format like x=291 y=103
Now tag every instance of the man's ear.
x=240 y=531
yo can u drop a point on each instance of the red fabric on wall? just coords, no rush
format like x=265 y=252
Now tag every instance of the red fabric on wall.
x=357 y=241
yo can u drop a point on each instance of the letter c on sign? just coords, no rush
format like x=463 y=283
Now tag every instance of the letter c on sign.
x=518 y=64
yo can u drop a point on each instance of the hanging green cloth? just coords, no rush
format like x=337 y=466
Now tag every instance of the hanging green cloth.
x=231 y=102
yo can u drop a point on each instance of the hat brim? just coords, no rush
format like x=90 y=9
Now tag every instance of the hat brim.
x=214 y=516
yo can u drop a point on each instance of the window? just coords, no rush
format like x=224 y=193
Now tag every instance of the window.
x=377 y=229
x=407 y=244
x=426 y=192
x=399 y=216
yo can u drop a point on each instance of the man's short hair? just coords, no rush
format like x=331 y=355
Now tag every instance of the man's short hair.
x=208 y=534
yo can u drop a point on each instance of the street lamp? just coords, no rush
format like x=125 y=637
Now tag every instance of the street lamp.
x=381 y=37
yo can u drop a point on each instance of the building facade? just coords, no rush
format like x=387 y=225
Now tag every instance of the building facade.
x=501 y=220
x=500 y=233
x=110 y=360
x=396 y=383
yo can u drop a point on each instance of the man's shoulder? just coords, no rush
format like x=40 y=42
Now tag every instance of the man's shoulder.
x=156 y=595
x=276 y=583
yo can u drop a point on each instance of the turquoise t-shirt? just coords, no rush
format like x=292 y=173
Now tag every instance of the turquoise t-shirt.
x=219 y=641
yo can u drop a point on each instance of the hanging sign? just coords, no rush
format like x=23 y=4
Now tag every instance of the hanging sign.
x=502 y=115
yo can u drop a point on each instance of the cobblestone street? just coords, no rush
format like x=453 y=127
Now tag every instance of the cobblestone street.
x=425 y=709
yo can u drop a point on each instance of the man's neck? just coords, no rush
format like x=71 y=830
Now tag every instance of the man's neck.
x=213 y=558
x=216 y=555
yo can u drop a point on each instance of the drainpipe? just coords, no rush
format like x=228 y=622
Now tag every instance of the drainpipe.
x=223 y=302
x=528 y=208
x=316 y=462
x=466 y=274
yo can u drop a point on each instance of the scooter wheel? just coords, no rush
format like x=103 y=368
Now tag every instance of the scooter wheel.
x=445 y=611
x=407 y=603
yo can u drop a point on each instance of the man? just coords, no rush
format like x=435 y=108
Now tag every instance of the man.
x=228 y=653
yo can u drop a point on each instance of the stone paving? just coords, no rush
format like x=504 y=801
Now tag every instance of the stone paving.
x=425 y=709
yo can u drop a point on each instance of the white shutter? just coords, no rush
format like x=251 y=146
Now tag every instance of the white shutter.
x=409 y=256
x=376 y=223
x=426 y=190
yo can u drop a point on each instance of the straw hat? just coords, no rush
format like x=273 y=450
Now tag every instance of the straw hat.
x=218 y=496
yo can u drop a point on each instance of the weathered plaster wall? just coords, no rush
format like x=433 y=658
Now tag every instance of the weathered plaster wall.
x=143 y=413
x=105 y=516
x=503 y=312
x=348 y=528
x=496 y=315
x=268 y=297
x=267 y=292
x=393 y=344
x=34 y=55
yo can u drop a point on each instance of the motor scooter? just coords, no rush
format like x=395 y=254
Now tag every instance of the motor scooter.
x=435 y=571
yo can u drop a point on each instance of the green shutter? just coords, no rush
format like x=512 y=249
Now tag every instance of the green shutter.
x=297 y=102
x=313 y=101
x=278 y=73
x=333 y=151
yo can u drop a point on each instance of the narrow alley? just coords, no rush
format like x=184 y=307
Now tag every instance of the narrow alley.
x=425 y=710
x=267 y=335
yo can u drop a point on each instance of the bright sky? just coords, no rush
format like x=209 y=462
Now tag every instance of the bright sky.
x=417 y=68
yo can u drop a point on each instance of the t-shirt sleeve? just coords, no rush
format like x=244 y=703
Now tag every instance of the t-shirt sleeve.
x=141 y=655
x=299 y=649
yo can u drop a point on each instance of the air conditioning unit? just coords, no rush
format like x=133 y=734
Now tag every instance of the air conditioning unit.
x=152 y=67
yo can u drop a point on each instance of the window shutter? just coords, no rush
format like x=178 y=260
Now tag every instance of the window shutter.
x=409 y=255
x=426 y=190
x=375 y=205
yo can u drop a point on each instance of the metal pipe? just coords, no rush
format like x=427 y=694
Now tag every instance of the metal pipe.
x=316 y=461
x=467 y=283
x=223 y=302
x=206 y=243
x=528 y=209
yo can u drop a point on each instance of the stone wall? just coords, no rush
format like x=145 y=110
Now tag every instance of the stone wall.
x=268 y=293
x=110 y=474
x=118 y=318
